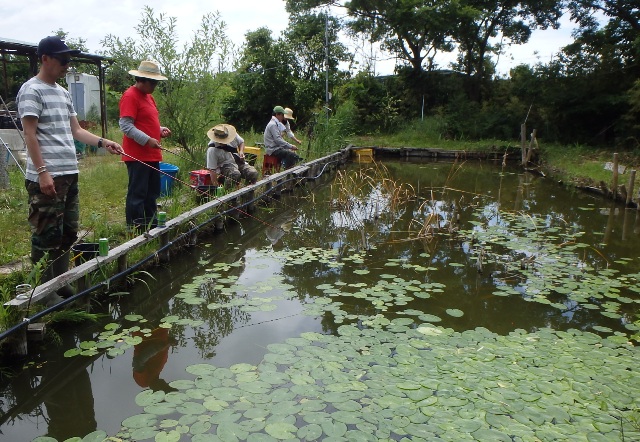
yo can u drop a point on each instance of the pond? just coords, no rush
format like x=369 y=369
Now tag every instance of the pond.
x=398 y=301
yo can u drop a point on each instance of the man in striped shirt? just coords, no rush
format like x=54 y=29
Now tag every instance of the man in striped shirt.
x=50 y=126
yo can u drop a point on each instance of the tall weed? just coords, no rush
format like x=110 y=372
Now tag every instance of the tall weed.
x=328 y=135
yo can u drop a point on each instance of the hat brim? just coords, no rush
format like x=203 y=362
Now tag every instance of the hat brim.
x=68 y=51
x=289 y=117
x=137 y=73
x=222 y=140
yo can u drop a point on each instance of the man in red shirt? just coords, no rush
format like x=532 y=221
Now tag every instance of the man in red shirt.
x=140 y=123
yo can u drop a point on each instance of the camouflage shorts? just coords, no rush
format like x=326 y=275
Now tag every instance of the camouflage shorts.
x=233 y=174
x=54 y=221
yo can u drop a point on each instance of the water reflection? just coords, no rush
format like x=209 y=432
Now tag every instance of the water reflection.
x=55 y=392
x=381 y=244
x=69 y=403
x=150 y=357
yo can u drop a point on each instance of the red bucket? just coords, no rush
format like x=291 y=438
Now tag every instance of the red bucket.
x=200 y=177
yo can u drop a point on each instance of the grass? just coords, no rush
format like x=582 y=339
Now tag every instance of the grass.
x=427 y=133
x=582 y=165
x=576 y=164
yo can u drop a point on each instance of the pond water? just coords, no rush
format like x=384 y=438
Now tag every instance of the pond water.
x=409 y=301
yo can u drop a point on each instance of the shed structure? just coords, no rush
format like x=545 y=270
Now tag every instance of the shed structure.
x=12 y=50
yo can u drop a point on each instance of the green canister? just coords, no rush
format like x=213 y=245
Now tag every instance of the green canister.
x=162 y=219
x=103 y=246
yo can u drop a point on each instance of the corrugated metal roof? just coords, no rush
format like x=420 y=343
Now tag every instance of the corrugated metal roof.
x=16 y=47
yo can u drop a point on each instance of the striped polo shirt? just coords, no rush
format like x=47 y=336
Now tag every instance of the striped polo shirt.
x=51 y=104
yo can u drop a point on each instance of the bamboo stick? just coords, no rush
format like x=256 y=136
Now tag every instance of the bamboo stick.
x=534 y=142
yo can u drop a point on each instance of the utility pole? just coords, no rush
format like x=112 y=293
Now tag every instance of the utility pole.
x=326 y=61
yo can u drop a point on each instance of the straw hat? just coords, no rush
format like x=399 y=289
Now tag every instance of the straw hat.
x=288 y=113
x=148 y=69
x=222 y=133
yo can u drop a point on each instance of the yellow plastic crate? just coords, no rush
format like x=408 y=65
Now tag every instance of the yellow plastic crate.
x=251 y=149
x=364 y=155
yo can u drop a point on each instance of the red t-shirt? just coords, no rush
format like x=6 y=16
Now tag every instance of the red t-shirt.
x=142 y=108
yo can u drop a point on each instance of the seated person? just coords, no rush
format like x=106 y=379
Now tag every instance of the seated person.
x=225 y=166
x=288 y=118
x=276 y=145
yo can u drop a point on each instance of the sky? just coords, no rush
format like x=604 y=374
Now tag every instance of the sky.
x=92 y=20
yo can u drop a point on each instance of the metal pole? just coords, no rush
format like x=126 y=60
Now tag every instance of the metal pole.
x=103 y=99
x=326 y=61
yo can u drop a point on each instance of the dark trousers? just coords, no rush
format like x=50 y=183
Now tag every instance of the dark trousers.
x=288 y=158
x=143 y=191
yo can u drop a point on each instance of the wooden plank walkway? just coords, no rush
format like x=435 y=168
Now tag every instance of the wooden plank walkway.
x=165 y=234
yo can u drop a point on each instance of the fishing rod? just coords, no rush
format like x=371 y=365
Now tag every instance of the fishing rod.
x=13 y=156
x=202 y=191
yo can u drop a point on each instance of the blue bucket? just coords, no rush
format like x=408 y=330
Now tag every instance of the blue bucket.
x=166 y=182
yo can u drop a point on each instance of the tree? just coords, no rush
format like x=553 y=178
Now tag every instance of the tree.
x=481 y=21
x=265 y=78
x=412 y=30
x=190 y=101
x=313 y=38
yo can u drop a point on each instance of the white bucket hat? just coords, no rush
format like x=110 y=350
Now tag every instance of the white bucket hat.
x=288 y=113
x=148 y=69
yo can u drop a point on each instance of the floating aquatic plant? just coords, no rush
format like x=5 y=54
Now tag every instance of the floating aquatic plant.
x=400 y=383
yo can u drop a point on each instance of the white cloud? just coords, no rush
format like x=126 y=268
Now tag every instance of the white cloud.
x=93 y=20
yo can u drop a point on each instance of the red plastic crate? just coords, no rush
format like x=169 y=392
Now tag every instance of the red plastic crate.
x=200 y=177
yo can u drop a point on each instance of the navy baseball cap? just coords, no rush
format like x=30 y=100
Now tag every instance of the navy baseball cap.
x=54 y=45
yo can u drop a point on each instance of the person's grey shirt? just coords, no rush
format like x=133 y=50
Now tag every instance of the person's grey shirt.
x=127 y=127
x=273 y=137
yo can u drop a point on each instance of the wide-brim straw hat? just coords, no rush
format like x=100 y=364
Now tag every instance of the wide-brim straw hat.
x=288 y=113
x=148 y=69
x=222 y=133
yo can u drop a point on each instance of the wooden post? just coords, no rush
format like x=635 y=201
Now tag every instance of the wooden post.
x=251 y=206
x=19 y=342
x=632 y=180
x=615 y=176
x=122 y=263
x=164 y=240
x=534 y=142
